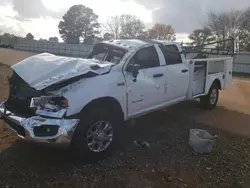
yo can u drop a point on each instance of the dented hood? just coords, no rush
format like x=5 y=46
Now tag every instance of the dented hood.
x=43 y=70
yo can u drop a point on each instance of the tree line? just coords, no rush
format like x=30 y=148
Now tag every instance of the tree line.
x=80 y=25
x=81 y=22
x=11 y=39
x=220 y=26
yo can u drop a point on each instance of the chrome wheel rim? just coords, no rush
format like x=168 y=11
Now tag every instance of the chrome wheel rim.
x=99 y=136
x=213 y=96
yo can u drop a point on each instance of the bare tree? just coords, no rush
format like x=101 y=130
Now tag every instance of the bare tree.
x=113 y=26
x=246 y=18
x=202 y=36
x=131 y=25
x=123 y=26
x=162 y=32
x=229 y=24
x=244 y=39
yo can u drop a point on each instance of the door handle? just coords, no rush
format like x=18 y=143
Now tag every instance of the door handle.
x=184 y=70
x=158 y=75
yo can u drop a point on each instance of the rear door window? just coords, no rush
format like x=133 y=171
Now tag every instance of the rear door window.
x=171 y=54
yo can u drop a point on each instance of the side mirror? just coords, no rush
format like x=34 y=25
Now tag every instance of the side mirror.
x=134 y=70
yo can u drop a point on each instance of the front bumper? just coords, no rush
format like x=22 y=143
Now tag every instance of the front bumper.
x=25 y=128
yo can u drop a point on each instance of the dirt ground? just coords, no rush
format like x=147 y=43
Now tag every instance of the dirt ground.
x=169 y=162
x=11 y=57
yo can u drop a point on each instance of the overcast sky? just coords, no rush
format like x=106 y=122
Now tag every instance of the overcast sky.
x=41 y=17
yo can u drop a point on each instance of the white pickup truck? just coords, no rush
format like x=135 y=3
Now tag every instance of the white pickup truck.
x=83 y=103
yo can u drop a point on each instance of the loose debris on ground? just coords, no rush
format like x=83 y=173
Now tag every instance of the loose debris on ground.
x=169 y=162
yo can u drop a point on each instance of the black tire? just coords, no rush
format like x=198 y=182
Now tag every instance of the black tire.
x=211 y=99
x=88 y=119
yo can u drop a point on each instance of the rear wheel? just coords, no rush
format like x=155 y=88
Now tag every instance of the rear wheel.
x=97 y=134
x=210 y=100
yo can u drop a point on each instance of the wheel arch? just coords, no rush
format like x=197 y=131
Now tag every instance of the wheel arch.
x=217 y=82
x=109 y=102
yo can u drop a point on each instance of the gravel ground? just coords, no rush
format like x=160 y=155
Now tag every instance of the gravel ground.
x=169 y=162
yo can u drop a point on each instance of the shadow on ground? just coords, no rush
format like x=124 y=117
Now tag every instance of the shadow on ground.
x=169 y=162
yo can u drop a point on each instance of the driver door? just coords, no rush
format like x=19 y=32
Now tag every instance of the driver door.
x=147 y=90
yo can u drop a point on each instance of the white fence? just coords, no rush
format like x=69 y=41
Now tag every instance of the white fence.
x=242 y=62
x=76 y=50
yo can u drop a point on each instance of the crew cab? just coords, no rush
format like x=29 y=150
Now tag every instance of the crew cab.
x=83 y=102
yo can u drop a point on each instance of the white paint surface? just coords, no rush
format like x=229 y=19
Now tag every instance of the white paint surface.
x=146 y=94
x=43 y=70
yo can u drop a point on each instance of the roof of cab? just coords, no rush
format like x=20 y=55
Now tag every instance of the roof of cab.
x=135 y=43
x=126 y=43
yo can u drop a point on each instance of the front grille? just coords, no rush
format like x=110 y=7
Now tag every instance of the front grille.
x=46 y=130
x=19 y=129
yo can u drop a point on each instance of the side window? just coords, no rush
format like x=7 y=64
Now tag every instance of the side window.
x=171 y=54
x=99 y=56
x=146 y=58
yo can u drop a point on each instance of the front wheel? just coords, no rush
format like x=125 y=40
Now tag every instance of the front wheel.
x=97 y=134
x=210 y=100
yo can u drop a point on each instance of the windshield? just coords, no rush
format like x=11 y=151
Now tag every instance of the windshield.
x=104 y=52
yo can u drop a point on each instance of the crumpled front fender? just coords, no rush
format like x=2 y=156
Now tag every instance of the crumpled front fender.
x=40 y=129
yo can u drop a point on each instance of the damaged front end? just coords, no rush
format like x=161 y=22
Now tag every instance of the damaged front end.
x=40 y=119
x=34 y=110
x=37 y=115
x=40 y=129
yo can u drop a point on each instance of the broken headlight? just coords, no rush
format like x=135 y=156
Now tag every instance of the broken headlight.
x=60 y=102
x=52 y=104
x=49 y=106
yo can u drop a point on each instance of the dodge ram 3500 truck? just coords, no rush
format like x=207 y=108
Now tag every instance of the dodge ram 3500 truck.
x=83 y=103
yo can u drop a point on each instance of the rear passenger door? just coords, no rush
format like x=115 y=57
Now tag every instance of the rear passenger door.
x=148 y=90
x=177 y=76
